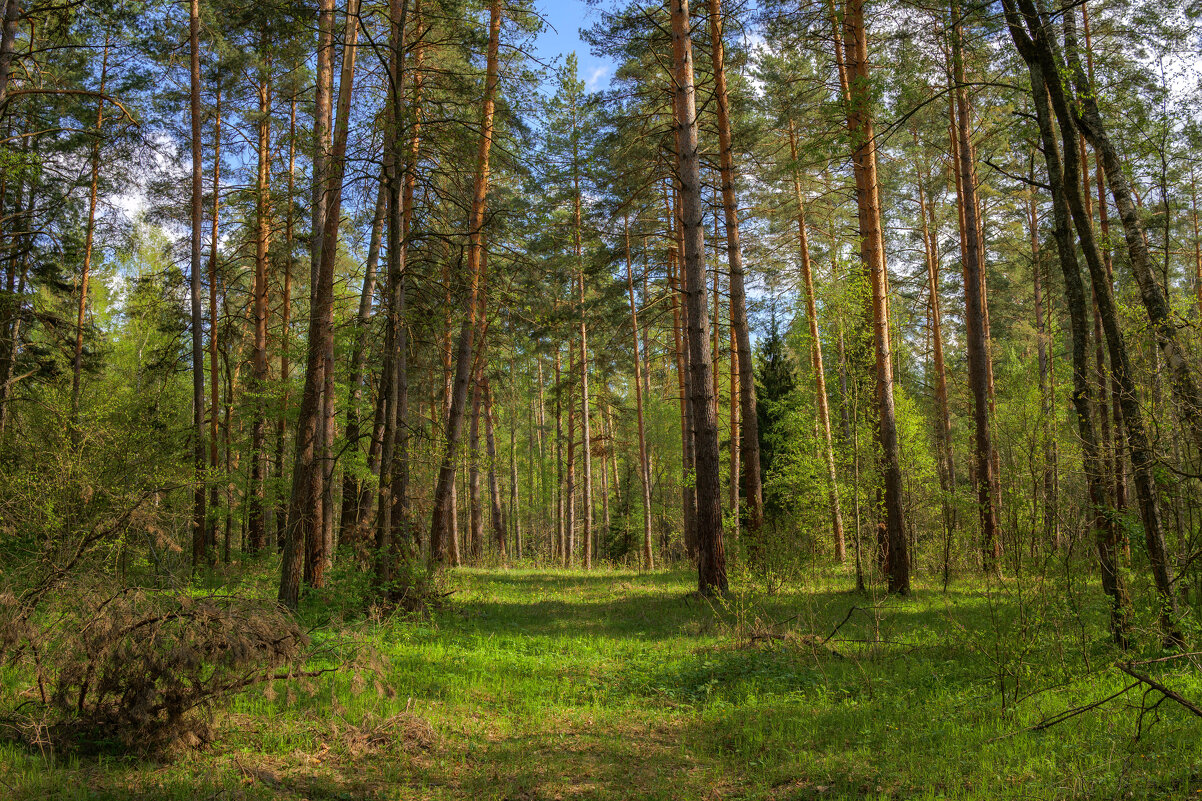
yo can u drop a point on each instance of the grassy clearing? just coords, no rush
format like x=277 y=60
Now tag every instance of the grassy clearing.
x=535 y=684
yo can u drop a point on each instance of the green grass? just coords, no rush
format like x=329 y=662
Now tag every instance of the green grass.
x=535 y=684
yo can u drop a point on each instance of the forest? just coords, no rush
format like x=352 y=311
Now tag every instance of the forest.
x=805 y=404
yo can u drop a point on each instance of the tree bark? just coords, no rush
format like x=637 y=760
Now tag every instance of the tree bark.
x=943 y=427
x=256 y=534
x=688 y=491
x=644 y=470
x=281 y=423
x=200 y=544
x=1040 y=49
x=974 y=298
x=8 y=40
x=872 y=253
x=1088 y=118
x=496 y=510
x=440 y=524
x=1112 y=580
x=352 y=485
x=824 y=415
x=1051 y=526
x=586 y=533
x=304 y=519
x=711 y=554
x=747 y=466
x=569 y=544
x=211 y=523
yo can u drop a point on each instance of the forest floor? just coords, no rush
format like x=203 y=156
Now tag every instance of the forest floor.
x=536 y=684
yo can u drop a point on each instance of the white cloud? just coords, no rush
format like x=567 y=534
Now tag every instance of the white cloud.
x=596 y=76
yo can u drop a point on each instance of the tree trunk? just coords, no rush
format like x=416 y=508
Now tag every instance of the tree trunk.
x=496 y=512
x=943 y=427
x=211 y=523
x=256 y=534
x=747 y=466
x=475 y=512
x=688 y=491
x=1040 y=55
x=440 y=524
x=569 y=515
x=393 y=468
x=1088 y=118
x=1074 y=290
x=560 y=534
x=200 y=544
x=351 y=484
x=974 y=298
x=711 y=554
x=587 y=444
x=8 y=40
x=1051 y=527
x=281 y=423
x=824 y=415
x=304 y=519
x=644 y=469
x=872 y=253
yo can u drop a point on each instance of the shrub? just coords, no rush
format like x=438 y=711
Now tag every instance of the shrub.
x=138 y=670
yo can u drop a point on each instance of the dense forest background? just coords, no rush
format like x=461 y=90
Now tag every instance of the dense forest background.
x=318 y=303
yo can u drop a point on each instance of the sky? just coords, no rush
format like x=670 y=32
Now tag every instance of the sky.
x=564 y=19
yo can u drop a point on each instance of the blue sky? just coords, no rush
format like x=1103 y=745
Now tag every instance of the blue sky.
x=564 y=20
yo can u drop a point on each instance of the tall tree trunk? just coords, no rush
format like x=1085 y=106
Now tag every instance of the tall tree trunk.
x=1040 y=49
x=281 y=423
x=348 y=516
x=496 y=511
x=644 y=469
x=560 y=533
x=749 y=438
x=569 y=514
x=257 y=535
x=515 y=521
x=711 y=553
x=1106 y=445
x=1051 y=527
x=586 y=515
x=475 y=546
x=1193 y=189
x=8 y=42
x=1118 y=463
x=1074 y=290
x=394 y=378
x=1088 y=118
x=943 y=427
x=872 y=253
x=440 y=524
x=824 y=415
x=322 y=145
x=211 y=523
x=304 y=519
x=688 y=492
x=200 y=544
x=974 y=298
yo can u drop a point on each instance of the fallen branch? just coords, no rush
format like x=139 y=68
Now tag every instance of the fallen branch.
x=835 y=630
x=1068 y=714
x=1168 y=658
x=1155 y=685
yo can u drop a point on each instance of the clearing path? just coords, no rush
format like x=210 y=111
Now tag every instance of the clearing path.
x=535 y=684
